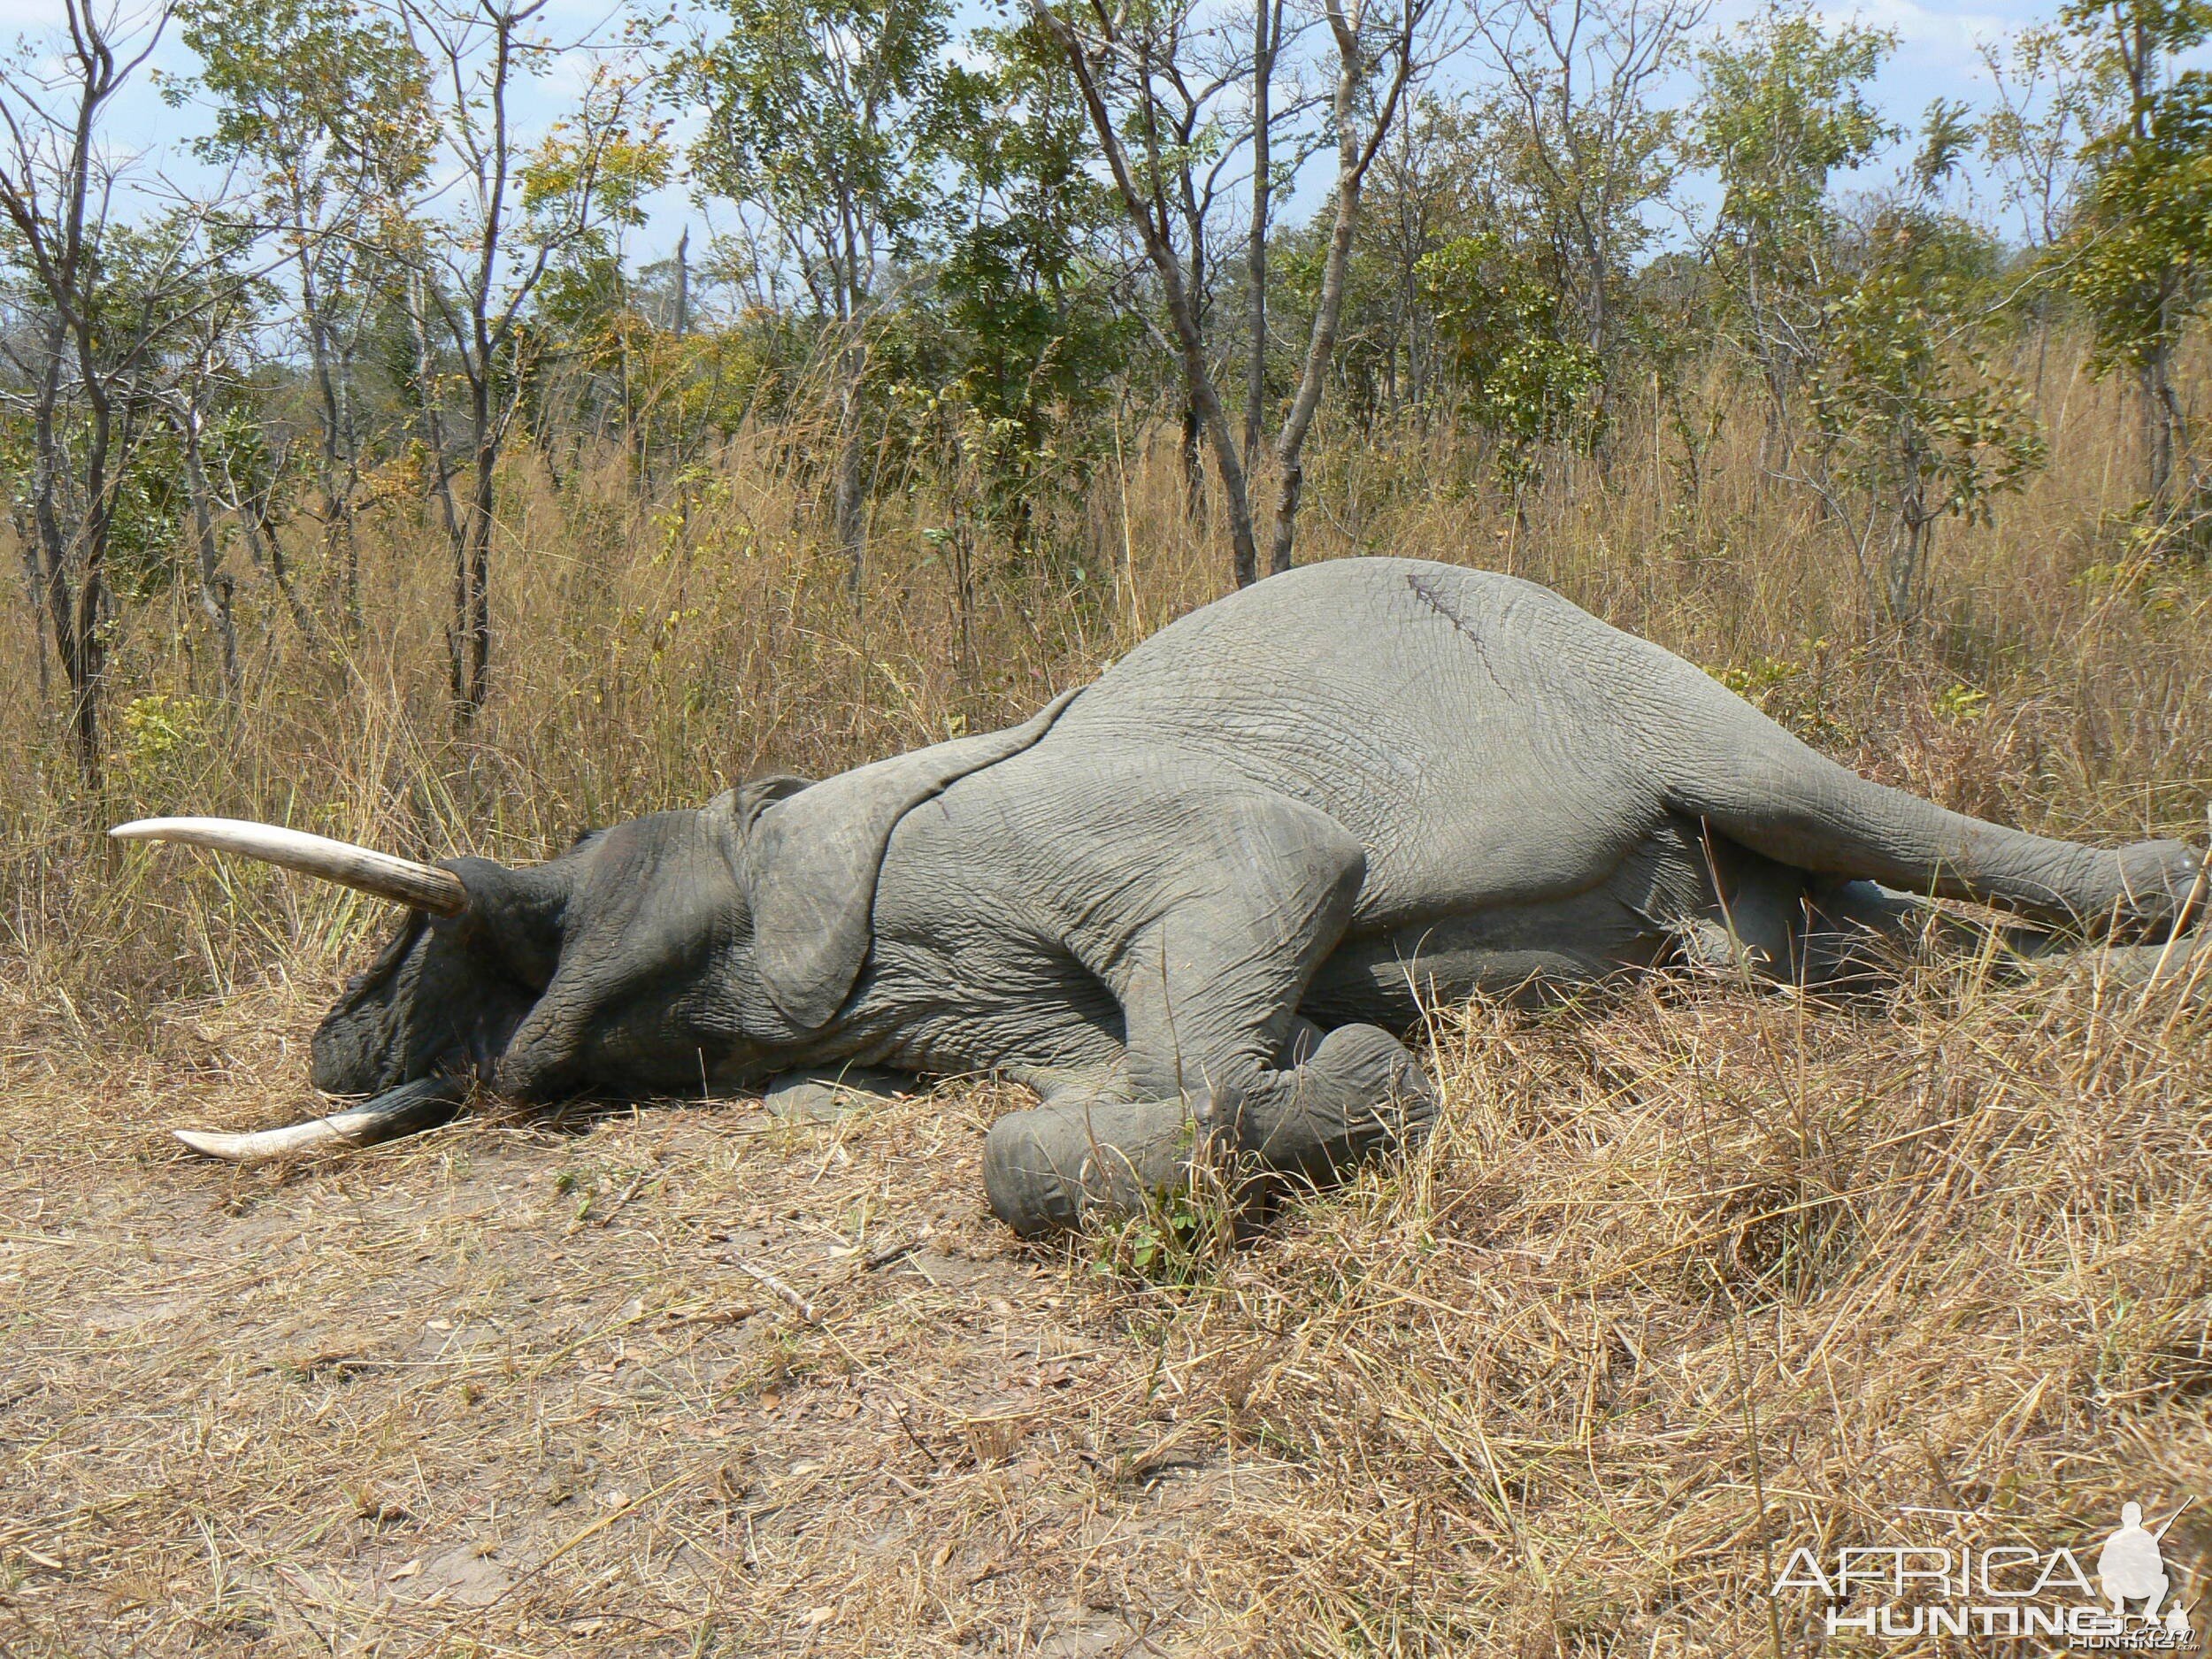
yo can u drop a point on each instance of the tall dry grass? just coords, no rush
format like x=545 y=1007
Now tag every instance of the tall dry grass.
x=1690 y=1276
x=649 y=651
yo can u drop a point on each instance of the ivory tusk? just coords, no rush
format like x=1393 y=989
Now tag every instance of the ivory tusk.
x=405 y=1111
x=421 y=886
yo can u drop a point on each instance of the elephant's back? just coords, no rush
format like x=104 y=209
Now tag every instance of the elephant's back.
x=1487 y=741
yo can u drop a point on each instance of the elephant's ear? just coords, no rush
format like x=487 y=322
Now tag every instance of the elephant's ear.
x=810 y=860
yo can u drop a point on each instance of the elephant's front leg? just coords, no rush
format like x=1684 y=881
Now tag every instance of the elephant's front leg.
x=1255 y=895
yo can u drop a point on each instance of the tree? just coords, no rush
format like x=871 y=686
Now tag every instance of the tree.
x=1913 y=424
x=1432 y=185
x=1267 y=50
x=326 y=106
x=207 y=376
x=2137 y=246
x=1521 y=374
x=1143 y=61
x=472 y=272
x=828 y=115
x=97 y=311
x=1784 y=108
x=1585 y=156
x=1029 y=296
x=1883 y=405
x=2054 y=96
x=1378 y=53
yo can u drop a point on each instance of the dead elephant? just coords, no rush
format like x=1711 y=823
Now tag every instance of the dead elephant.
x=1190 y=905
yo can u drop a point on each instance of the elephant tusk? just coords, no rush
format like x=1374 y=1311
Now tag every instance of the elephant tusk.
x=420 y=885
x=405 y=1111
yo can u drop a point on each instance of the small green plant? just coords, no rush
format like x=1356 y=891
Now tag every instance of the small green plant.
x=1956 y=702
x=1753 y=679
x=1177 y=1239
x=161 y=734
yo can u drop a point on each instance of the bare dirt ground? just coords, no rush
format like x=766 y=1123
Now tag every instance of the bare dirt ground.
x=1683 y=1281
x=648 y=1380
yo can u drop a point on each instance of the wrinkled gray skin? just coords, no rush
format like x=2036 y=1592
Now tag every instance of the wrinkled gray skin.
x=1190 y=905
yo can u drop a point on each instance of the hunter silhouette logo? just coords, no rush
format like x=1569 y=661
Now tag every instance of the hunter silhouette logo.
x=2130 y=1567
x=1903 y=1591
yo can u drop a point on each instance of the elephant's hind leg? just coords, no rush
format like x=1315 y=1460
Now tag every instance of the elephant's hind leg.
x=1766 y=791
x=1858 y=934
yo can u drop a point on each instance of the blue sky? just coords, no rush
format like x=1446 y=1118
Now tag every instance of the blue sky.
x=1936 y=56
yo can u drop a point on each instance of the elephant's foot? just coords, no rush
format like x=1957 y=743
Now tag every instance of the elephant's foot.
x=2185 y=963
x=2160 y=884
x=1357 y=1095
x=1361 y=1097
x=1051 y=1168
x=825 y=1093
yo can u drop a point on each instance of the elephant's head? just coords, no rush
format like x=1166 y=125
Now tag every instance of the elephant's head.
x=669 y=950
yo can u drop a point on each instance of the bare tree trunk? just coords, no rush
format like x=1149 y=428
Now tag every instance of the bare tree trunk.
x=440 y=485
x=74 y=615
x=265 y=549
x=847 y=501
x=1354 y=159
x=28 y=548
x=216 y=587
x=75 y=618
x=2164 y=428
x=475 y=569
x=1181 y=306
x=336 y=463
x=1193 y=464
x=491 y=287
x=683 y=284
x=1265 y=30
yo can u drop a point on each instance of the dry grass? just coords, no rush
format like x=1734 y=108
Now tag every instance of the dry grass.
x=1689 y=1277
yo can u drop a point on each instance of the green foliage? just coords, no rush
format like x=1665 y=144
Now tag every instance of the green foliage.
x=146 y=276
x=1785 y=107
x=315 y=91
x=1870 y=336
x=1178 y=1242
x=1914 y=421
x=602 y=342
x=1519 y=376
x=2137 y=259
x=1946 y=136
x=827 y=114
x=164 y=740
x=1019 y=343
x=926 y=242
x=596 y=167
x=2053 y=94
